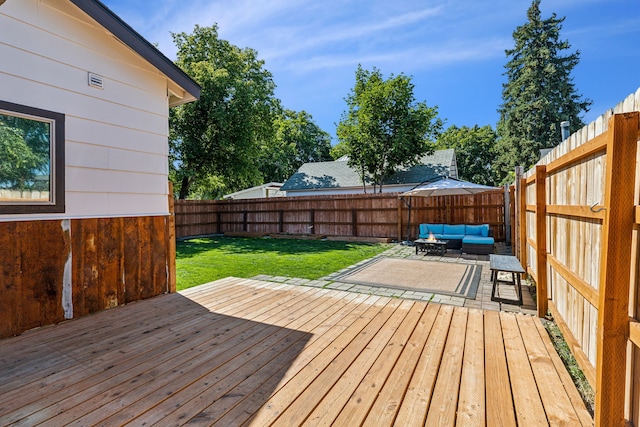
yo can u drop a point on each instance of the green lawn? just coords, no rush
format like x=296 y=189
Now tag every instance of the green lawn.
x=203 y=260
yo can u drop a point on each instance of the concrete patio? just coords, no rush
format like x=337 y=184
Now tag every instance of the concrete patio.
x=482 y=299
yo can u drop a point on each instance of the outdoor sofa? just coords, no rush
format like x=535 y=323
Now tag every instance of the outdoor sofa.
x=472 y=239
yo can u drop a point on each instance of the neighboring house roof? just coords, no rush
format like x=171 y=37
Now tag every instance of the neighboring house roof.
x=271 y=189
x=127 y=35
x=338 y=174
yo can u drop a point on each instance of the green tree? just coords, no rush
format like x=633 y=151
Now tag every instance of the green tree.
x=24 y=153
x=297 y=140
x=539 y=93
x=338 y=150
x=217 y=138
x=475 y=152
x=385 y=128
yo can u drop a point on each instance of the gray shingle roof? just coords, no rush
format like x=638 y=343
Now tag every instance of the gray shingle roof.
x=338 y=174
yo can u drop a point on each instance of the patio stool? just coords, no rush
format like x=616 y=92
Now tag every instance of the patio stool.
x=477 y=245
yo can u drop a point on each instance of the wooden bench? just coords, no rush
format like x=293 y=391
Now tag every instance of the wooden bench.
x=507 y=264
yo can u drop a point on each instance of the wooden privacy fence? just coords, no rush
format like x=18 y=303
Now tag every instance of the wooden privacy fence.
x=578 y=219
x=358 y=216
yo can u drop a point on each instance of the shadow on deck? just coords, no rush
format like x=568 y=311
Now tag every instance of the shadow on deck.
x=246 y=352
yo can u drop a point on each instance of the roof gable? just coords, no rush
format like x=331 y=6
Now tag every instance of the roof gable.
x=338 y=174
x=127 y=35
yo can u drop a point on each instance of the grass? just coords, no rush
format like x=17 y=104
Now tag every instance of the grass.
x=583 y=386
x=203 y=260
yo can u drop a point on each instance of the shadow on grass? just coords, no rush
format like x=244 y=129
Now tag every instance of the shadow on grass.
x=192 y=247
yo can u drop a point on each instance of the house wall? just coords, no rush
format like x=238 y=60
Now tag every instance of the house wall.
x=256 y=193
x=55 y=270
x=113 y=243
x=116 y=138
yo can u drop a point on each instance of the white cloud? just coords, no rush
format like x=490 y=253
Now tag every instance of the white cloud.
x=410 y=60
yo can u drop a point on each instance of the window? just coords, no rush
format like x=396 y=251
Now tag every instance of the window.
x=31 y=160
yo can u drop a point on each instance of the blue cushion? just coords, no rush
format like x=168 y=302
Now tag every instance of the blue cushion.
x=484 y=231
x=473 y=230
x=435 y=228
x=478 y=240
x=424 y=231
x=451 y=236
x=453 y=229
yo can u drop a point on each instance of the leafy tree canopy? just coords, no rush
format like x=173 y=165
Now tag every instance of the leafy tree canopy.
x=338 y=150
x=217 y=138
x=539 y=92
x=24 y=153
x=297 y=140
x=475 y=151
x=384 y=127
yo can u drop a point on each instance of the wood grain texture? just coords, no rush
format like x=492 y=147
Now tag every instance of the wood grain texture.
x=112 y=261
x=613 y=320
x=541 y=240
x=362 y=215
x=245 y=352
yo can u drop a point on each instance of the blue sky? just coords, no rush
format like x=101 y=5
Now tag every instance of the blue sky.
x=453 y=50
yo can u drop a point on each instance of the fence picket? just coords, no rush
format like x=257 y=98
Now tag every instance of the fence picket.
x=361 y=215
x=589 y=269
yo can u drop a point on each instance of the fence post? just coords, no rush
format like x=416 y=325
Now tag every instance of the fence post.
x=312 y=228
x=507 y=215
x=615 y=269
x=541 y=239
x=171 y=242
x=354 y=222
x=244 y=221
x=218 y=225
x=512 y=215
x=280 y=221
x=447 y=209
x=399 y=219
x=522 y=222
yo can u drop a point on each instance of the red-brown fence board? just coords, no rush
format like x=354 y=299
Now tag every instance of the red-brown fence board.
x=359 y=215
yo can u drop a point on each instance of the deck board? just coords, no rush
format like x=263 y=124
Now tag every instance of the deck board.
x=442 y=411
x=414 y=407
x=247 y=352
x=471 y=406
x=526 y=398
x=499 y=401
x=388 y=379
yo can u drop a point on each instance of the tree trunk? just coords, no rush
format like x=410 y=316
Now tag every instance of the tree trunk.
x=184 y=188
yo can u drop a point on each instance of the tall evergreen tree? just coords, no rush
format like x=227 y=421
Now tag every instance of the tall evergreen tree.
x=539 y=93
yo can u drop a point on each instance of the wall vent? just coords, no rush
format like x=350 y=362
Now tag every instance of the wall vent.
x=95 y=80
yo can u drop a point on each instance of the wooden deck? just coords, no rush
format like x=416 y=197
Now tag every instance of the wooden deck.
x=243 y=352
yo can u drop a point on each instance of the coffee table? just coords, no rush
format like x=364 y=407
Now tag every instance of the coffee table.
x=430 y=246
x=507 y=264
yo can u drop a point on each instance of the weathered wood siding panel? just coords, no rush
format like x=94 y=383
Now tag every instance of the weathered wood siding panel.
x=32 y=268
x=109 y=262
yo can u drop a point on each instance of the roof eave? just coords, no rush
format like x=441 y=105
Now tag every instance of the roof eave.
x=130 y=37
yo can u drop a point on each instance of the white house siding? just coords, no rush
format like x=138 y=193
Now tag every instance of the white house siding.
x=116 y=138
